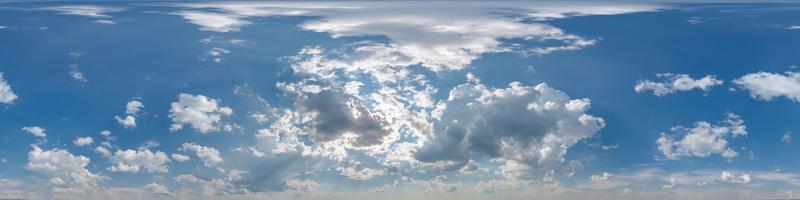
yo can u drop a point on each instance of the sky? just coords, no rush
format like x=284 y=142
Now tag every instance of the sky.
x=399 y=100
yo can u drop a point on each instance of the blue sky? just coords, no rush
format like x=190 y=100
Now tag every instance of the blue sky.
x=399 y=100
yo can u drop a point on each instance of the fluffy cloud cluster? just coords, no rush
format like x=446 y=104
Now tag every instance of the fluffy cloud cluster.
x=65 y=169
x=727 y=177
x=132 y=109
x=767 y=86
x=703 y=139
x=132 y=161
x=83 y=141
x=7 y=95
x=157 y=189
x=531 y=127
x=676 y=83
x=200 y=112
x=209 y=155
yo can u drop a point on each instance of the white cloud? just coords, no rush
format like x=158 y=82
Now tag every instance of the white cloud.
x=211 y=187
x=787 y=138
x=157 y=189
x=83 y=141
x=76 y=74
x=180 y=157
x=793 y=27
x=767 y=86
x=7 y=95
x=530 y=127
x=216 y=54
x=200 y=112
x=133 y=107
x=103 y=151
x=131 y=161
x=211 y=21
x=35 y=131
x=703 y=139
x=103 y=21
x=727 y=177
x=127 y=122
x=364 y=173
x=676 y=83
x=61 y=164
x=85 y=10
x=419 y=34
x=603 y=181
x=209 y=155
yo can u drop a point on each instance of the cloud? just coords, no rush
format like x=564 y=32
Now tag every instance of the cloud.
x=131 y=161
x=727 y=177
x=786 y=138
x=419 y=34
x=676 y=83
x=127 y=122
x=335 y=114
x=211 y=21
x=35 y=131
x=76 y=74
x=209 y=155
x=703 y=139
x=7 y=95
x=180 y=157
x=83 y=141
x=103 y=21
x=359 y=174
x=103 y=151
x=133 y=107
x=211 y=187
x=200 y=112
x=767 y=86
x=157 y=189
x=530 y=127
x=63 y=167
x=85 y=10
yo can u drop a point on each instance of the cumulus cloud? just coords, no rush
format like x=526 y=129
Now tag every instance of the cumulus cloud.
x=335 y=114
x=200 y=112
x=83 y=141
x=364 y=173
x=63 y=167
x=727 y=177
x=676 y=83
x=703 y=139
x=35 y=131
x=133 y=107
x=530 y=127
x=180 y=157
x=209 y=155
x=127 y=122
x=767 y=86
x=212 y=187
x=131 y=161
x=7 y=95
x=157 y=189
